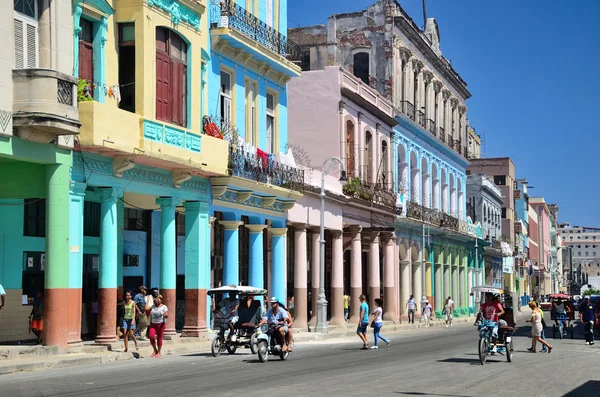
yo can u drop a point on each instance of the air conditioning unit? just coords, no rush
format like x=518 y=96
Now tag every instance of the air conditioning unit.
x=131 y=260
x=216 y=262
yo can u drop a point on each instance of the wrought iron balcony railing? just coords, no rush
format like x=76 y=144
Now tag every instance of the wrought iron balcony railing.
x=442 y=135
x=450 y=141
x=458 y=146
x=432 y=127
x=449 y=222
x=383 y=195
x=227 y=14
x=421 y=118
x=408 y=109
x=421 y=213
x=264 y=169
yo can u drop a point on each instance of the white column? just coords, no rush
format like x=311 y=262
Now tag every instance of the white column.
x=403 y=178
x=417 y=280
x=427 y=190
x=453 y=201
x=373 y=274
x=436 y=193
x=445 y=206
x=415 y=186
x=405 y=269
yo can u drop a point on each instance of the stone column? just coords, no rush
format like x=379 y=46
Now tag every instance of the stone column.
x=315 y=240
x=59 y=291
x=355 y=274
x=417 y=280
x=278 y=263
x=403 y=178
x=256 y=271
x=461 y=287
x=231 y=269
x=455 y=290
x=337 y=279
x=415 y=191
x=168 y=259
x=445 y=207
x=374 y=279
x=453 y=202
x=439 y=294
x=436 y=193
x=389 y=262
x=447 y=281
x=428 y=284
x=427 y=190
x=300 y=280
x=405 y=268
x=107 y=273
x=197 y=260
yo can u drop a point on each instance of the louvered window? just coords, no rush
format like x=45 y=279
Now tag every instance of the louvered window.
x=26 y=34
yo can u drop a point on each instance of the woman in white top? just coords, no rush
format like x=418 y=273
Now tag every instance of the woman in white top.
x=377 y=323
x=158 y=320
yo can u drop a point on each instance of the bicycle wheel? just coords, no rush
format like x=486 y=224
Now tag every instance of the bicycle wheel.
x=483 y=350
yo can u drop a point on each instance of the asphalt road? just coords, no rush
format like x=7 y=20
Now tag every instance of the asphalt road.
x=428 y=362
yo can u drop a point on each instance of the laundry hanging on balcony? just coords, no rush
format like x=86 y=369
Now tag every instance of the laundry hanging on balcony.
x=210 y=128
x=287 y=158
x=264 y=156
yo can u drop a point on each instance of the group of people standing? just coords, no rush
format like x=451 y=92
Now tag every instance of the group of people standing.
x=427 y=311
x=144 y=313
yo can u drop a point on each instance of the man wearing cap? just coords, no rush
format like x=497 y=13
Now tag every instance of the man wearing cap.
x=278 y=317
x=229 y=310
x=588 y=317
x=142 y=319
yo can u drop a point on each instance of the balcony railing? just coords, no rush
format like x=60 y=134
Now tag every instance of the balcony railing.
x=432 y=127
x=424 y=214
x=383 y=195
x=458 y=146
x=264 y=169
x=450 y=141
x=421 y=118
x=408 y=109
x=442 y=135
x=227 y=14
x=449 y=222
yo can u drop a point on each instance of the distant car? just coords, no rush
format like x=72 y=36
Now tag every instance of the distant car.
x=545 y=304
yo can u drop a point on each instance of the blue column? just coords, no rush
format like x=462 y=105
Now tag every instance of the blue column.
x=256 y=276
x=120 y=238
x=278 y=264
x=168 y=258
x=231 y=270
x=76 y=235
x=107 y=274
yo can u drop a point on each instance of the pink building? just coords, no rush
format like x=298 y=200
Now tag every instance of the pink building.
x=542 y=255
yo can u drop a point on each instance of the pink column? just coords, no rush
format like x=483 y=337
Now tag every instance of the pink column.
x=355 y=274
x=374 y=280
x=337 y=279
x=389 y=262
x=300 y=280
x=314 y=273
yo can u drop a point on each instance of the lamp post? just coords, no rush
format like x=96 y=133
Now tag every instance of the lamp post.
x=331 y=165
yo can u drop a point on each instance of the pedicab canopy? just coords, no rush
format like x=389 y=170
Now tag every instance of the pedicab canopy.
x=486 y=289
x=560 y=296
x=238 y=290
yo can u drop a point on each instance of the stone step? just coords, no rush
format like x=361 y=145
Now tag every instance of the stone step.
x=26 y=351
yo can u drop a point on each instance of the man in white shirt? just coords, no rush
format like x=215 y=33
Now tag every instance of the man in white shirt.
x=411 y=305
x=2 y=297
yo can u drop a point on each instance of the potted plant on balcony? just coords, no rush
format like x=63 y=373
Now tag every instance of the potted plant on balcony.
x=354 y=188
x=84 y=91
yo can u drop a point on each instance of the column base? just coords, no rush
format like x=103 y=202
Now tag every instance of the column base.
x=389 y=307
x=169 y=299
x=300 y=308
x=107 y=316
x=56 y=317
x=195 y=314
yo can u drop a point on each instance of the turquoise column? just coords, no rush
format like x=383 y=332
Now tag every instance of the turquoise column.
x=231 y=271
x=107 y=272
x=168 y=258
x=256 y=276
x=278 y=265
x=77 y=193
x=120 y=240
x=197 y=260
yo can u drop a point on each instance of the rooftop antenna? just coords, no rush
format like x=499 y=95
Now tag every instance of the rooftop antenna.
x=424 y=14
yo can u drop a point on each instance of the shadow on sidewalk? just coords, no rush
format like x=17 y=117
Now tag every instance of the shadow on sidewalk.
x=417 y=393
x=589 y=389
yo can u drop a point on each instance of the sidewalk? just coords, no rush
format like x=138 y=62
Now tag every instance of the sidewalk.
x=29 y=358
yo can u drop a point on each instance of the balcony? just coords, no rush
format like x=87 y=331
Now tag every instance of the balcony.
x=163 y=145
x=376 y=193
x=450 y=141
x=432 y=129
x=264 y=170
x=442 y=135
x=421 y=118
x=44 y=104
x=418 y=212
x=408 y=109
x=241 y=30
x=458 y=146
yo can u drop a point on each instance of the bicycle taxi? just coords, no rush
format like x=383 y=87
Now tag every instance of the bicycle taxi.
x=245 y=330
x=503 y=343
x=562 y=313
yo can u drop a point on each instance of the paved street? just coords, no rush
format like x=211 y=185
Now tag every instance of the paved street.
x=433 y=362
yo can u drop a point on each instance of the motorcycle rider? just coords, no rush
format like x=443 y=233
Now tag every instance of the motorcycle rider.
x=229 y=309
x=279 y=318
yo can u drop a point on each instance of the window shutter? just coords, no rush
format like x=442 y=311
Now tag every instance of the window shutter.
x=176 y=93
x=19 y=45
x=162 y=87
x=31 y=46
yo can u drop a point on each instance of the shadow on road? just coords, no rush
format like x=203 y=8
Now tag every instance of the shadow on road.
x=417 y=393
x=468 y=361
x=588 y=389
x=201 y=355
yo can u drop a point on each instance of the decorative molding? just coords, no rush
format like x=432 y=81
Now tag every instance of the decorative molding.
x=244 y=196
x=4 y=119
x=288 y=205
x=256 y=228
x=179 y=13
x=196 y=184
x=219 y=191
x=278 y=232
x=437 y=85
x=427 y=76
x=268 y=201
x=122 y=164
x=446 y=94
x=110 y=194
x=180 y=177
x=231 y=225
x=453 y=102
x=341 y=106
x=168 y=202
x=145 y=174
x=417 y=65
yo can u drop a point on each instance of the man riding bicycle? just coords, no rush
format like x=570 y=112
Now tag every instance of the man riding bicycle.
x=491 y=310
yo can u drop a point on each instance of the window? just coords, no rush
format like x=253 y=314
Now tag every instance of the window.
x=91 y=219
x=171 y=77
x=271 y=123
x=180 y=224
x=503 y=213
x=25 y=34
x=350 y=160
x=305 y=61
x=578 y=253
x=385 y=179
x=126 y=66
x=86 y=50
x=500 y=180
x=251 y=110
x=34 y=218
x=135 y=219
x=361 y=66
x=587 y=253
x=594 y=253
x=368 y=157
x=225 y=97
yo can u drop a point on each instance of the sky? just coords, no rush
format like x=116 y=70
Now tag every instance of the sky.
x=532 y=68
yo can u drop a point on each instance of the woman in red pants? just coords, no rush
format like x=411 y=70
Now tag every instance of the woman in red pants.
x=158 y=320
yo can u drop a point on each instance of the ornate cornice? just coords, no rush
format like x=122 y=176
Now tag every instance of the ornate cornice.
x=122 y=164
x=417 y=65
x=178 y=12
x=446 y=93
x=180 y=177
x=437 y=85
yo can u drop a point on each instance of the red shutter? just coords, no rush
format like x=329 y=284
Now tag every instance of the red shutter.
x=162 y=87
x=183 y=96
x=176 y=93
x=86 y=62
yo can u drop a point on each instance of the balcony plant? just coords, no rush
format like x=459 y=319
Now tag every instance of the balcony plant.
x=354 y=188
x=83 y=91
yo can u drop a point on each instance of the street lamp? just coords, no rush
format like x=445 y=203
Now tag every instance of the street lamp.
x=331 y=165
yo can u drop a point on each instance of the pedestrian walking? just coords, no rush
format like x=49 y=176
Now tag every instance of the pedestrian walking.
x=448 y=311
x=158 y=320
x=130 y=310
x=377 y=323
x=411 y=306
x=536 y=328
x=588 y=317
x=427 y=313
x=363 y=322
x=346 y=306
x=142 y=319
x=36 y=317
x=2 y=297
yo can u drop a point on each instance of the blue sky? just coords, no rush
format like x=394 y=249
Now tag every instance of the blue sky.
x=532 y=69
